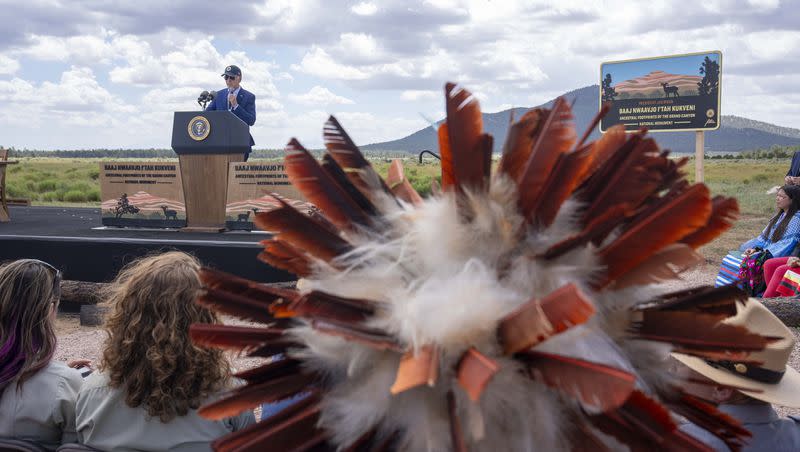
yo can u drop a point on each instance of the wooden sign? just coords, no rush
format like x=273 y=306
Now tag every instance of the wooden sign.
x=142 y=194
x=666 y=93
x=253 y=187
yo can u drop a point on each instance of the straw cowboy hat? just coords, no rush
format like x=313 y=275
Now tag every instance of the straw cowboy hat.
x=773 y=381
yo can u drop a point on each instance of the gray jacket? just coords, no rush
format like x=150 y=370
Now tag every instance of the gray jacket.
x=770 y=432
x=43 y=410
x=104 y=421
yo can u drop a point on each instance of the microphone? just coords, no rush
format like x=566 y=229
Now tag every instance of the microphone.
x=203 y=98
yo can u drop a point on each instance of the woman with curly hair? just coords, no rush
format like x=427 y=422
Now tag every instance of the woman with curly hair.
x=37 y=395
x=152 y=377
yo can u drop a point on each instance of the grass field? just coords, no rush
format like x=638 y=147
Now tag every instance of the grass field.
x=74 y=182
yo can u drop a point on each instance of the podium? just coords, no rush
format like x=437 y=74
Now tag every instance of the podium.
x=206 y=142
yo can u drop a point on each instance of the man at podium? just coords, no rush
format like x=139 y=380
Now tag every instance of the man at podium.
x=236 y=99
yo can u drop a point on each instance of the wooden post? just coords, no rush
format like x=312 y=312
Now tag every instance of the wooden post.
x=699 y=145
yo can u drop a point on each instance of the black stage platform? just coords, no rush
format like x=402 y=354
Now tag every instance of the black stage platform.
x=74 y=240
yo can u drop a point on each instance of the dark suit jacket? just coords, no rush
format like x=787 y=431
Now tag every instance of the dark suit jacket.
x=246 y=111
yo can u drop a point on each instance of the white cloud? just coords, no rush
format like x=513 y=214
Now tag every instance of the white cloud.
x=319 y=96
x=415 y=95
x=364 y=9
x=8 y=65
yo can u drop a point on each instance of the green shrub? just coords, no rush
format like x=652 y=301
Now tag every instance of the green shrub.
x=49 y=196
x=93 y=195
x=761 y=178
x=46 y=185
x=75 y=196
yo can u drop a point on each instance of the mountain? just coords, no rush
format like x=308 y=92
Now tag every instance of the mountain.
x=734 y=135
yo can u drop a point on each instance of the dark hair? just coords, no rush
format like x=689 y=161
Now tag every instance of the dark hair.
x=793 y=192
x=28 y=290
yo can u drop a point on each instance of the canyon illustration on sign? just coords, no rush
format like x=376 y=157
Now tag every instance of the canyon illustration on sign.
x=666 y=93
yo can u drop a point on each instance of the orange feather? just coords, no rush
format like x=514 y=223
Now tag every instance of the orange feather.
x=241 y=306
x=556 y=137
x=469 y=146
x=280 y=254
x=710 y=419
x=519 y=143
x=445 y=151
x=664 y=265
x=416 y=369
x=230 y=337
x=321 y=305
x=681 y=216
x=475 y=371
x=724 y=212
x=400 y=186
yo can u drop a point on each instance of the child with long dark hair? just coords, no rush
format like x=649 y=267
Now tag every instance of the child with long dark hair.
x=37 y=395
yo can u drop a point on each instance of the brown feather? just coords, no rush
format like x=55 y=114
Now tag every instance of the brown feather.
x=416 y=369
x=337 y=174
x=351 y=160
x=595 y=121
x=710 y=419
x=595 y=232
x=284 y=256
x=275 y=369
x=597 y=386
x=252 y=395
x=696 y=330
x=331 y=307
x=221 y=281
x=468 y=145
x=612 y=151
x=370 y=337
x=475 y=371
x=400 y=186
x=724 y=212
x=537 y=320
x=302 y=232
x=683 y=215
x=664 y=265
x=605 y=146
x=292 y=429
x=231 y=337
x=708 y=300
x=519 y=143
x=568 y=173
x=557 y=135
x=241 y=306
x=317 y=185
x=639 y=175
x=456 y=434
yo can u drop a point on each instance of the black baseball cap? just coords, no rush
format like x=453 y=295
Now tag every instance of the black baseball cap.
x=232 y=70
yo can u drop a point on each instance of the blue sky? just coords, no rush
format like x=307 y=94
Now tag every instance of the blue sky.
x=92 y=74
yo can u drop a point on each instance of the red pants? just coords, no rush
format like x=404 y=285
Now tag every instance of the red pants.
x=773 y=274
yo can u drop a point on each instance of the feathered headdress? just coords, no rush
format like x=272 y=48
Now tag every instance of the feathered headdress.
x=518 y=309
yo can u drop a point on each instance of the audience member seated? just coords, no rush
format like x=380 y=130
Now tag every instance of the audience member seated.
x=151 y=378
x=778 y=239
x=37 y=395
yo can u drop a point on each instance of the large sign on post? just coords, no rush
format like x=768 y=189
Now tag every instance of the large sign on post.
x=667 y=93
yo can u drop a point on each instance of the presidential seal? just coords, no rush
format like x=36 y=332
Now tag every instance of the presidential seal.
x=199 y=128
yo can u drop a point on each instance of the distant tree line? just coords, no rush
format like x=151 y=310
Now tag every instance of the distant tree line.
x=775 y=152
x=169 y=153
